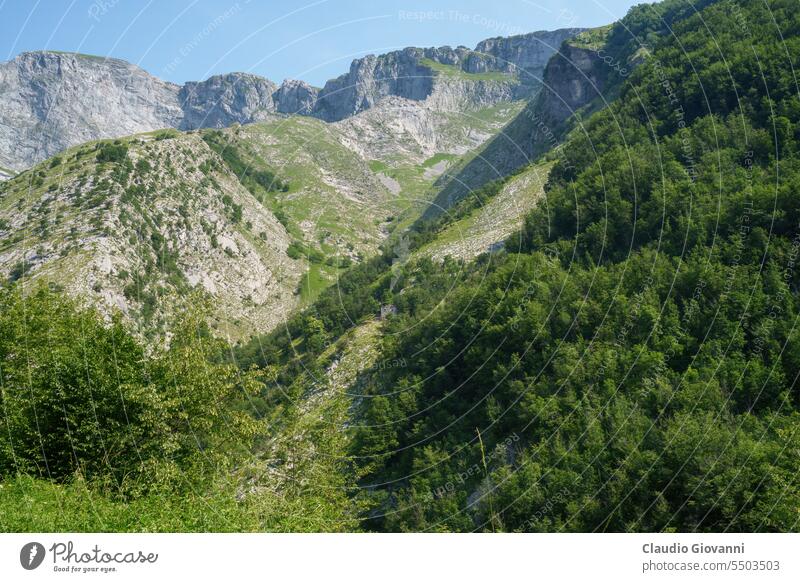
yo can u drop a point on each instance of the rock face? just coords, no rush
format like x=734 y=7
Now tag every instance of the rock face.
x=226 y=99
x=372 y=78
x=295 y=98
x=527 y=53
x=50 y=101
x=411 y=73
x=574 y=78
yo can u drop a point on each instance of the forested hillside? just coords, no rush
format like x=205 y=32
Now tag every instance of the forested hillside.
x=634 y=365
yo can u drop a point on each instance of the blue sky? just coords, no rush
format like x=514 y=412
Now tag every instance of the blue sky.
x=312 y=40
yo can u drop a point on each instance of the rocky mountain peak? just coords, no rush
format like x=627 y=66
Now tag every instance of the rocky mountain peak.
x=50 y=101
x=296 y=97
x=413 y=73
x=222 y=100
x=525 y=53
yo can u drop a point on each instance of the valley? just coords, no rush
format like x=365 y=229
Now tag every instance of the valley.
x=260 y=217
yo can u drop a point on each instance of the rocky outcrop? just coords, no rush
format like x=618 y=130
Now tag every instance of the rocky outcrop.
x=412 y=73
x=527 y=54
x=575 y=78
x=372 y=78
x=296 y=98
x=50 y=101
x=223 y=100
x=226 y=99
x=458 y=94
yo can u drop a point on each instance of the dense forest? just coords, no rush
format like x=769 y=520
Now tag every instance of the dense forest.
x=628 y=362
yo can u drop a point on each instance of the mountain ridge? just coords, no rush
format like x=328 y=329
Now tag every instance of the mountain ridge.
x=52 y=100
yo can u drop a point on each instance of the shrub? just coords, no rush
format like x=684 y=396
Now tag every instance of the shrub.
x=116 y=153
x=80 y=396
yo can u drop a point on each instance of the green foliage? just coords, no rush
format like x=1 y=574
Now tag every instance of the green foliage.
x=80 y=397
x=79 y=506
x=112 y=152
x=143 y=166
x=234 y=210
x=632 y=368
x=297 y=250
x=101 y=435
x=438 y=68
x=254 y=179
x=19 y=270
x=635 y=368
x=426 y=229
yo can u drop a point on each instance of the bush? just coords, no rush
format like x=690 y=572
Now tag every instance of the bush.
x=83 y=397
x=116 y=153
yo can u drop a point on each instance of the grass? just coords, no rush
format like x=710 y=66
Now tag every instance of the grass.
x=168 y=133
x=378 y=166
x=436 y=158
x=82 y=55
x=79 y=507
x=498 y=218
x=308 y=154
x=500 y=113
x=317 y=278
x=592 y=39
x=453 y=71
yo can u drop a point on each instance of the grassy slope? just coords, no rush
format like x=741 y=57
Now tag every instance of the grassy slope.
x=453 y=71
x=68 y=230
x=418 y=178
x=592 y=38
x=334 y=205
x=494 y=222
x=307 y=455
x=327 y=181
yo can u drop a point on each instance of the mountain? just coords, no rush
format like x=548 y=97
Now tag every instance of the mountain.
x=576 y=80
x=260 y=217
x=51 y=100
x=514 y=63
x=298 y=173
x=133 y=226
x=598 y=334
